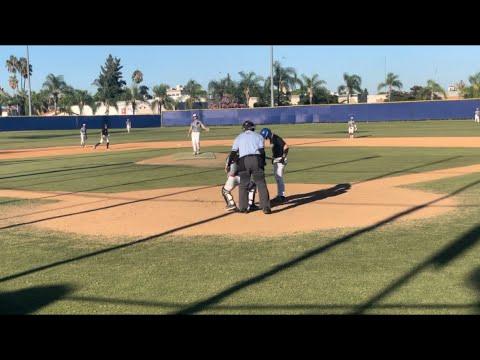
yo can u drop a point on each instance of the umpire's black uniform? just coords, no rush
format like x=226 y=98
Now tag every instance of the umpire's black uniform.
x=251 y=163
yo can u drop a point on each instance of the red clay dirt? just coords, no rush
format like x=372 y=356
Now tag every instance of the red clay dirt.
x=200 y=210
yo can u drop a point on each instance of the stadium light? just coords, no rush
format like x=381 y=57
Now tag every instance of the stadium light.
x=271 y=76
x=29 y=86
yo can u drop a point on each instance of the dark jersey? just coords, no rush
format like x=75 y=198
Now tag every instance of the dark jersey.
x=105 y=132
x=277 y=146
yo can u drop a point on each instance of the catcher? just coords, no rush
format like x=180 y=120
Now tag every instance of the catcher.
x=233 y=180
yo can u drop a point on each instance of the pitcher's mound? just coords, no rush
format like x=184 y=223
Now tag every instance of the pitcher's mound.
x=206 y=159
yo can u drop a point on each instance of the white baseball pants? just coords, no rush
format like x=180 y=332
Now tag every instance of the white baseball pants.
x=278 y=169
x=196 y=141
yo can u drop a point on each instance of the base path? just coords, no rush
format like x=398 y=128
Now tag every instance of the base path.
x=440 y=142
x=201 y=210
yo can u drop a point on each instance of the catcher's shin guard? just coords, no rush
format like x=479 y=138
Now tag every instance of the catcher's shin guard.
x=228 y=197
x=252 y=189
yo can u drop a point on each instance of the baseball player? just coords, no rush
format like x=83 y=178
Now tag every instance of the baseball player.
x=129 y=125
x=194 y=131
x=352 y=127
x=477 y=115
x=233 y=180
x=83 y=135
x=279 y=161
x=104 y=136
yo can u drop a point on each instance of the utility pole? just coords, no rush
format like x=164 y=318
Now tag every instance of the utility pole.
x=29 y=86
x=271 y=76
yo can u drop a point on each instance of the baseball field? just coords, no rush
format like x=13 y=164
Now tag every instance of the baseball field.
x=385 y=223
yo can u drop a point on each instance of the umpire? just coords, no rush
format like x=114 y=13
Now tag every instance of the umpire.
x=251 y=163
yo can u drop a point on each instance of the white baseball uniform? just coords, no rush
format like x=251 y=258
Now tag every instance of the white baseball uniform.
x=196 y=127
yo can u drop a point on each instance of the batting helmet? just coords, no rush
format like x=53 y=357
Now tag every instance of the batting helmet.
x=266 y=133
x=195 y=116
x=248 y=125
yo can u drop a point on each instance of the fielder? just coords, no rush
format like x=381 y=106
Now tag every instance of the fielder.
x=83 y=135
x=129 y=125
x=194 y=131
x=104 y=136
x=233 y=180
x=352 y=127
x=279 y=161
x=477 y=116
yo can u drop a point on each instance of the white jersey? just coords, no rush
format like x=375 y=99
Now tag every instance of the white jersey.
x=196 y=125
x=477 y=113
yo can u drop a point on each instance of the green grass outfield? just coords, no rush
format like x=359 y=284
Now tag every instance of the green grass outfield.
x=420 y=267
x=46 y=138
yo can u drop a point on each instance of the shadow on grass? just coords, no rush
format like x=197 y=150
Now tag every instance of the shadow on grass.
x=241 y=285
x=29 y=300
x=110 y=249
x=439 y=260
x=406 y=170
x=271 y=307
x=474 y=281
x=66 y=169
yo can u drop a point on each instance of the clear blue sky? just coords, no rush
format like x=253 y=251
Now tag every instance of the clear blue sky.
x=80 y=65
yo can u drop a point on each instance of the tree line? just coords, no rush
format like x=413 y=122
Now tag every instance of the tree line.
x=57 y=96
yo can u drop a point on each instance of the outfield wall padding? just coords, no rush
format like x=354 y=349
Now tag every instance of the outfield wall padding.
x=13 y=123
x=396 y=111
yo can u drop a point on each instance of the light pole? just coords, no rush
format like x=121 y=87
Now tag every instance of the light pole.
x=271 y=76
x=29 y=86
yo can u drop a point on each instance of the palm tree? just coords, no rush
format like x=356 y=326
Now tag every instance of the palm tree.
x=311 y=84
x=131 y=96
x=161 y=98
x=12 y=67
x=82 y=98
x=391 y=82
x=40 y=102
x=472 y=91
x=216 y=89
x=22 y=70
x=103 y=96
x=55 y=86
x=352 y=84
x=249 y=82
x=13 y=82
x=194 y=90
x=432 y=88
x=283 y=79
x=137 y=77
x=12 y=64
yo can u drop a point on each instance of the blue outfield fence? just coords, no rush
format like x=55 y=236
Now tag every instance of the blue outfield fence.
x=421 y=110
x=14 y=123
x=396 y=111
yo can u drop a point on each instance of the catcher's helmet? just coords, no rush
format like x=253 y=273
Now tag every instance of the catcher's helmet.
x=248 y=125
x=266 y=133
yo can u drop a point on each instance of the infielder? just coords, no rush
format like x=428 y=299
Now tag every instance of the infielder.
x=279 y=161
x=83 y=135
x=194 y=131
x=477 y=116
x=233 y=180
x=129 y=125
x=104 y=136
